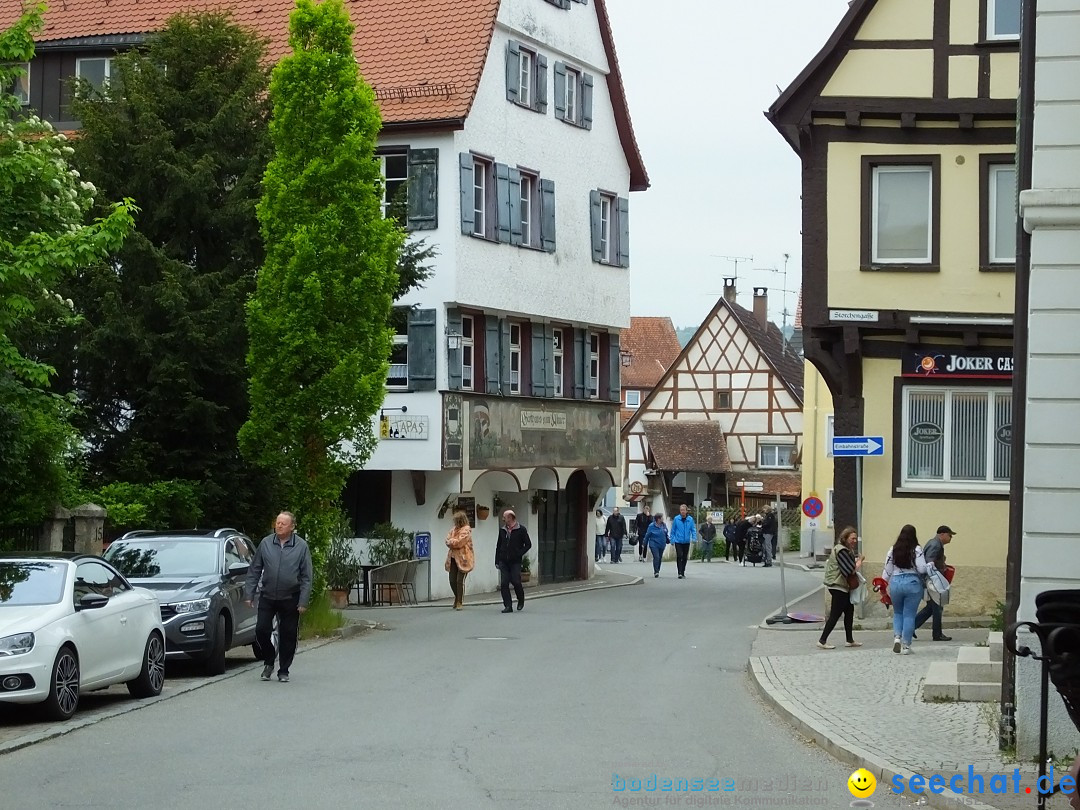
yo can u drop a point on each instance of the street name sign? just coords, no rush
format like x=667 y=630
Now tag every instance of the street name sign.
x=858 y=446
x=756 y=486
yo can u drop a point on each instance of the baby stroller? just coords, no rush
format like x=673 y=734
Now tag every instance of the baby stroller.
x=755 y=546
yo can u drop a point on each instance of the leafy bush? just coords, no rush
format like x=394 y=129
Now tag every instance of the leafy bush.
x=341 y=566
x=162 y=505
x=388 y=543
x=319 y=620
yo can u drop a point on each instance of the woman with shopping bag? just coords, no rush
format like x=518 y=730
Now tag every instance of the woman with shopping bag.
x=842 y=577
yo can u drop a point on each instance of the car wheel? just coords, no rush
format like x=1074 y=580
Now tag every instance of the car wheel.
x=152 y=675
x=215 y=660
x=63 y=697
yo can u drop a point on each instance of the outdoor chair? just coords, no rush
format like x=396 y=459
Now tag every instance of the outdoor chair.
x=408 y=589
x=386 y=581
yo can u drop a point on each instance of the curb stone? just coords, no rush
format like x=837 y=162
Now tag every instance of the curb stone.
x=488 y=599
x=843 y=750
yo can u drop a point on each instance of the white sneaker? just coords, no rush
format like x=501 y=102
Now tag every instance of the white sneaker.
x=896 y=644
x=905 y=650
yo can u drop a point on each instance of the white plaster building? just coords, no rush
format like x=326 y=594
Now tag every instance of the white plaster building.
x=1050 y=210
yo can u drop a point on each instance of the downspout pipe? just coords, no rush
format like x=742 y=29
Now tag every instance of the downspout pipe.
x=1024 y=150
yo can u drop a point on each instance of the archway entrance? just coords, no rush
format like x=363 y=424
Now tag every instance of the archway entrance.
x=561 y=530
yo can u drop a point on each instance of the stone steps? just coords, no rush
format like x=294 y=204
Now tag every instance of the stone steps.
x=975 y=676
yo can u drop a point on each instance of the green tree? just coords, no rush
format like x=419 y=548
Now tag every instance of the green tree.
x=159 y=359
x=44 y=236
x=318 y=322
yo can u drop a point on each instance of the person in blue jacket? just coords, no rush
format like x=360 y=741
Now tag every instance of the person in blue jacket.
x=657 y=539
x=683 y=533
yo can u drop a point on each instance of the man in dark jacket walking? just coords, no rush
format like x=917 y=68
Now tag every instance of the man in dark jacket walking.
x=770 y=531
x=641 y=523
x=283 y=563
x=616 y=530
x=742 y=528
x=514 y=543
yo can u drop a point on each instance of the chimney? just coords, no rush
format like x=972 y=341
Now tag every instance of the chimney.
x=729 y=290
x=761 y=305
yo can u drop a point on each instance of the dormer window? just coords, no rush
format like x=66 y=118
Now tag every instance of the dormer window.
x=1003 y=19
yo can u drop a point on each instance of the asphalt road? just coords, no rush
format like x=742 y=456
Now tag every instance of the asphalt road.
x=552 y=707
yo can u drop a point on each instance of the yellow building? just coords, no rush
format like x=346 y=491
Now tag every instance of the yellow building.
x=905 y=125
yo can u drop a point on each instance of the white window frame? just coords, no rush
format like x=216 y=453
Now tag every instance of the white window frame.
x=991 y=19
x=526 y=61
x=400 y=381
x=876 y=173
x=20 y=85
x=632 y=399
x=481 y=173
x=557 y=336
x=946 y=483
x=829 y=507
x=593 y=371
x=468 y=337
x=994 y=170
x=830 y=428
x=607 y=222
x=386 y=195
x=573 y=96
x=108 y=69
x=529 y=184
x=775 y=444
x=515 y=357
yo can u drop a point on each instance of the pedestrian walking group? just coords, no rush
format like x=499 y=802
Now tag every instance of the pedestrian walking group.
x=912 y=572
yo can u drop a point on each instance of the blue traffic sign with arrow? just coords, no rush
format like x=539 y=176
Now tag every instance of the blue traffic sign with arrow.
x=858 y=446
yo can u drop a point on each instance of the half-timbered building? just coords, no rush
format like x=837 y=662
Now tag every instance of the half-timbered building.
x=728 y=408
x=905 y=125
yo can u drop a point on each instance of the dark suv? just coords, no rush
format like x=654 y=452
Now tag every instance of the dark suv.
x=198 y=577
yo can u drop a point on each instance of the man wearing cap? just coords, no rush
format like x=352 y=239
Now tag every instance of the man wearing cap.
x=934 y=552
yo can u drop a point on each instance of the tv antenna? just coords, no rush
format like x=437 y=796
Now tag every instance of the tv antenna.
x=735 y=259
x=784 y=289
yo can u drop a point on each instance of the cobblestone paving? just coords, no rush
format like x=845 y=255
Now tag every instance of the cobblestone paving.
x=868 y=702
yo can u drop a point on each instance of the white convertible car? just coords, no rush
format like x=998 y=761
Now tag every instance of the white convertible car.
x=70 y=623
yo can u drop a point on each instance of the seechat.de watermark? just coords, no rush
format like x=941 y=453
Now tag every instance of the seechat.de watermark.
x=975 y=783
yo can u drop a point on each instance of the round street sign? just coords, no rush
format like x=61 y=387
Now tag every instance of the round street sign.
x=812 y=507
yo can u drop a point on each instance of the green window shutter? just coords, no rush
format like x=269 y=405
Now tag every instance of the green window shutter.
x=465 y=163
x=422 y=350
x=492 y=345
x=586 y=100
x=515 y=206
x=541 y=359
x=560 y=91
x=504 y=355
x=423 y=189
x=540 y=94
x=624 y=231
x=581 y=362
x=547 y=215
x=614 y=385
x=502 y=202
x=453 y=356
x=513 y=70
x=594 y=225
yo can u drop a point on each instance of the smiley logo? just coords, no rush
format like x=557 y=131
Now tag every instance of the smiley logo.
x=862 y=784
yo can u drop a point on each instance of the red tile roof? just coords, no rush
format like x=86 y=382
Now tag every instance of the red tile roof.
x=653 y=347
x=688 y=446
x=423 y=57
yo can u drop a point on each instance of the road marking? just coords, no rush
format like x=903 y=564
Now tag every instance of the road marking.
x=492 y=638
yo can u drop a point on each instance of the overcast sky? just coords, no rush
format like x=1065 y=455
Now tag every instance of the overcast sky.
x=698 y=75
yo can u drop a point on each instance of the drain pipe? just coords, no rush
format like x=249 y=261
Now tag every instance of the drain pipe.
x=1024 y=149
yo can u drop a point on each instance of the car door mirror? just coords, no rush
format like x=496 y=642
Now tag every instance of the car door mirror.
x=238 y=568
x=92 y=601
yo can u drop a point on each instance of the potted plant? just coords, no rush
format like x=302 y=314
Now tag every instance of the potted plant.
x=342 y=571
x=497 y=504
x=482 y=512
x=526 y=568
x=535 y=501
x=387 y=543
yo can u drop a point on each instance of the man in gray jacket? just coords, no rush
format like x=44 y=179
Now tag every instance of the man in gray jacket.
x=283 y=564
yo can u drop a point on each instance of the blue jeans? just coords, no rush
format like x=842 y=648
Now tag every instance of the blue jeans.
x=601 y=547
x=906 y=591
x=657 y=553
x=931 y=608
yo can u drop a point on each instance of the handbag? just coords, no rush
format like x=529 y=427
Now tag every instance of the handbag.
x=853 y=580
x=858 y=593
x=633 y=540
x=937 y=586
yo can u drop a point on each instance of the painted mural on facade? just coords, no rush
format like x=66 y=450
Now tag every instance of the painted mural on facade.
x=526 y=433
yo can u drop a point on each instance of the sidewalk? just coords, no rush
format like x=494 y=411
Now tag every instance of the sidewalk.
x=605 y=578
x=864 y=706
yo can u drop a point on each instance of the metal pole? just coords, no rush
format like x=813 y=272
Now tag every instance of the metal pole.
x=858 y=519
x=780 y=542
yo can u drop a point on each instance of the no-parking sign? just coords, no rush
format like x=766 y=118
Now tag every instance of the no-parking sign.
x=812 y=507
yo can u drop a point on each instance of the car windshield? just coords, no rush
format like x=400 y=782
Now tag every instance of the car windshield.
x=145 y=559
x=37 y=582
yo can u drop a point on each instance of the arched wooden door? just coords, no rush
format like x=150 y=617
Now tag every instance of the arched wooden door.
x=561 y=531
